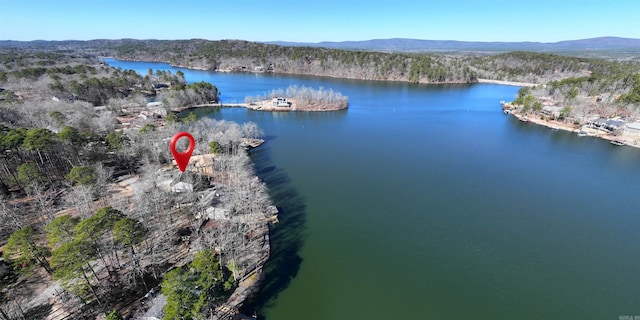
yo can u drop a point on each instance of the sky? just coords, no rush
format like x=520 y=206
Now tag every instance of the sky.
x=319 y=20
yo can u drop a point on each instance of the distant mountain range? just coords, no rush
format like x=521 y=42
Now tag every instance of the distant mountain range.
x=593 y=46
x=416 y=45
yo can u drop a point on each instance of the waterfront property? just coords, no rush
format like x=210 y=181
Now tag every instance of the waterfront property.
x=280 y=102
x=551 y=111
x=607 y=124
x=633 y=129
x=507 y=106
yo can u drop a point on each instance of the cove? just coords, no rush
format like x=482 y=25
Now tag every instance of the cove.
x=426 y=202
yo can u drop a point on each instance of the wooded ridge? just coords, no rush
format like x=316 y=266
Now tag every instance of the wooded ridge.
x=610 y=77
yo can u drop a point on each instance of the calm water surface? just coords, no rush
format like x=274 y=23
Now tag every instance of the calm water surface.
x=426 y=202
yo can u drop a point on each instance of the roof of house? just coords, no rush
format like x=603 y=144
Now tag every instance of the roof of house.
x=616 y=123
x=608 y=122
x=634 y=125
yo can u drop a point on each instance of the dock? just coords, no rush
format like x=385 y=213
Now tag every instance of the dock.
x=223 y=105
x=211 y=105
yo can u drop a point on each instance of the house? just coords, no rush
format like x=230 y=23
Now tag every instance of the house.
x=182 y=187
x=64 y=98
x=633 y=128
x=280 y=102
x=547 y=101
x=607 y=124
x=158 y=86
x=553 y=111
x=148 y=115
x=506 y=106
x=214 y=213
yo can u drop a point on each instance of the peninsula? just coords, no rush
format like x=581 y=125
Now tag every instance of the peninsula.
x=96 y=218
x=293 y=98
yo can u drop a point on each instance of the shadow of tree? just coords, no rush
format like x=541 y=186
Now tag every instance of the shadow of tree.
x=39 y=312
x=286 y=237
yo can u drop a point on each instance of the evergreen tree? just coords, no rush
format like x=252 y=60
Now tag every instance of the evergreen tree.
x=23 y=249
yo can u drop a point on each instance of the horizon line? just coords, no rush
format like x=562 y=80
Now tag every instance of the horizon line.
x=323 y=41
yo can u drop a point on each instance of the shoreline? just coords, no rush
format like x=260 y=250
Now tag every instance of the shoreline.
x=228 y=70
x=591 y=132
x=508 y=83
x=264 y=106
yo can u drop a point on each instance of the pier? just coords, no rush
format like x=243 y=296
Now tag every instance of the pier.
x=216 y=105
x=222 y=105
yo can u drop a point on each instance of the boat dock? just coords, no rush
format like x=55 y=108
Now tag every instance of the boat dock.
x=211 y=105
x=223 y=105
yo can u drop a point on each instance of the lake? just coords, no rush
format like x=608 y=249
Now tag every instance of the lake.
x=427 y=202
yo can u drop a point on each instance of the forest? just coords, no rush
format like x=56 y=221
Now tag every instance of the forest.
x=95 y=217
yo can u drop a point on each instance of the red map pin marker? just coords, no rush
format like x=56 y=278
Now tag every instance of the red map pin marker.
x=182 y=158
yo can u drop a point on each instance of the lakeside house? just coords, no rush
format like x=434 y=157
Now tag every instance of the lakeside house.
x=547 y=101
x=99 y=109
x=182 y=187
x=280 y=102
x=553 y=111
x=608 y=125
x=633 y=128
x=160 y=86
x=157 y=107
x=506 y=105
x=69 y=98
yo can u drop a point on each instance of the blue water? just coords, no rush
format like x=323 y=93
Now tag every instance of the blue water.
x=426 y=202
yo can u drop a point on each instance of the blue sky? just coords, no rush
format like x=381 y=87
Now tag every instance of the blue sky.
x=319 y=20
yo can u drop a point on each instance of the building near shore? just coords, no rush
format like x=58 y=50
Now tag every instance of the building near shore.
x=607 y=124
x=633 y=128
x=280 y=102
x=553 y=111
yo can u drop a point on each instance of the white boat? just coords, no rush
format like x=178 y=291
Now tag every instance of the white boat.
x=617 y=142
x=583 y=134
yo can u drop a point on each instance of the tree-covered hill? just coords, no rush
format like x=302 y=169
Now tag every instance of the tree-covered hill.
x=238 y=55
x=610 y=77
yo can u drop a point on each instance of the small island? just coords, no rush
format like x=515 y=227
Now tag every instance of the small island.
x=297 y=98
